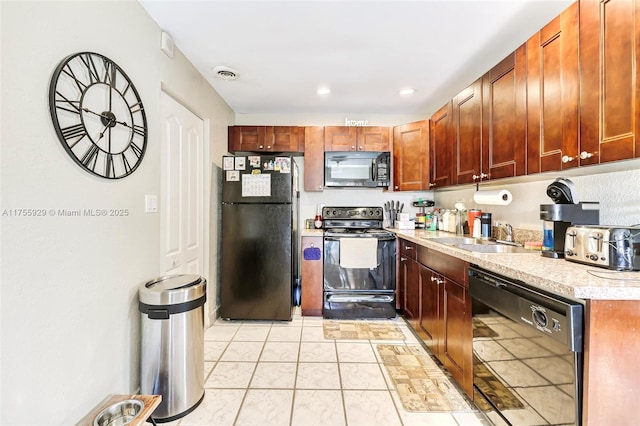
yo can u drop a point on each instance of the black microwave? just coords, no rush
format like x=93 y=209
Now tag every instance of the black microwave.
x=353 y=169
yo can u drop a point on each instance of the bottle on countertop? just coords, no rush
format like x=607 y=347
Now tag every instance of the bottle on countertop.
x=443 y=223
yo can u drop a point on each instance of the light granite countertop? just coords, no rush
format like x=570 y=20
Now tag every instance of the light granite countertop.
x=557 y=275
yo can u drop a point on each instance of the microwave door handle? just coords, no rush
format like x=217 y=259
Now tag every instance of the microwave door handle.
x=374 y=171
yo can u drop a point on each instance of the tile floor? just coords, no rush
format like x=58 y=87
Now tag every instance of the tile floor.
x=287 y=373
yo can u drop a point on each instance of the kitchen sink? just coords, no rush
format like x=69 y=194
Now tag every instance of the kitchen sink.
x=492 y=248
x=479 y=245
x=455 y=240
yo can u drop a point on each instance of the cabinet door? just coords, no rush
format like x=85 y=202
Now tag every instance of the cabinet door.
x=504 y=117
x=609 y=83
x=373 y=138
x=456 y=347
x=411 y=156
x=284 y=139
x=406 y=252
x=340 y=138
x=430 y=326
x=411 y=283
x=312 y=284
x=467 y=119
x=441 y=146
x=313 y=159
x=552 y=95
x=246 y=138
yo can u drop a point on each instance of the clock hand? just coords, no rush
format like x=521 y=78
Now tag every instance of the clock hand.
x=105 y=129
x=95 y=113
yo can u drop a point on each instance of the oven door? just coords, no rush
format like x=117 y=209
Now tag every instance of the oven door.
x=360 y=293
x=357 y=280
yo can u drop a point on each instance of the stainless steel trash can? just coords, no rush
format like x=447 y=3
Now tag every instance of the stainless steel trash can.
x=172 y=343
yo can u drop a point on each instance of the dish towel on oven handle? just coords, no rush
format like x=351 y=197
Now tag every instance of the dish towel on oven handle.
x=359 y=253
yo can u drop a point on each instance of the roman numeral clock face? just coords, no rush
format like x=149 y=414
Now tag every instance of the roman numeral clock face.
x=98 y=115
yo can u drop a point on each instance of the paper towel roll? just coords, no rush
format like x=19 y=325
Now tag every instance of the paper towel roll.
x=498 y=197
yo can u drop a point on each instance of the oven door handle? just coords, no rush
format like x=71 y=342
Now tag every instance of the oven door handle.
x=327 y=238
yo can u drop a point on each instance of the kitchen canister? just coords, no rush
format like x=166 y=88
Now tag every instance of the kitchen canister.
x=485 y=225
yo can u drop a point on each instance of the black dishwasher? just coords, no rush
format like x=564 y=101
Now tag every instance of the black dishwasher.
x=527 y=352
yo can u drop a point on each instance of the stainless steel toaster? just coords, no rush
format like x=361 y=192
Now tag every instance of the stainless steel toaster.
x=611 y=247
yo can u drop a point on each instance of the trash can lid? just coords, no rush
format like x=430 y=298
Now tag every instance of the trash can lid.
x=172 y=289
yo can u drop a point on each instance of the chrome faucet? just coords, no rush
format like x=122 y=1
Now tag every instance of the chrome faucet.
x=509 y=230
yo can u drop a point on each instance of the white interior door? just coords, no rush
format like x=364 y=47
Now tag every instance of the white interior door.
x=182 y=193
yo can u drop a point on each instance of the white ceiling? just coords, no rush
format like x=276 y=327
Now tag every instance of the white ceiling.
x=364 y=51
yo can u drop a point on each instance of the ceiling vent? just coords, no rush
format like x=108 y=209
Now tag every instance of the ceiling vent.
x=225 y=73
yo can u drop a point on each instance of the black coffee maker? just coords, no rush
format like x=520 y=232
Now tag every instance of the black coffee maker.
x=565 y=211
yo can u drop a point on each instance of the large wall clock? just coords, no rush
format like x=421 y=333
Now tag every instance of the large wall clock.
x=98 y=115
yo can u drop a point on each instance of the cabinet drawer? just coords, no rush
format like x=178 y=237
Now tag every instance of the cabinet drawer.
x=449 y=266
x=407 y=249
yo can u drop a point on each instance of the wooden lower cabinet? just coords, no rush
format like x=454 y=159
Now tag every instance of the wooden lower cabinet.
x=441 y=312
x=456 y=347
x=611 y=368
x=408 y=281
x=312 y=278
x=410 y=272
x=430 y=324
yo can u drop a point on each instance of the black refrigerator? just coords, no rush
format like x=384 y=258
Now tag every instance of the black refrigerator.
x=260 y=198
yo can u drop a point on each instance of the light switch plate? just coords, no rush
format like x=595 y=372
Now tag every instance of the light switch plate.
x=151 y=203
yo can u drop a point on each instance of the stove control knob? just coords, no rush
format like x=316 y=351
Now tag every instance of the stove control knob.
x=370 y=212
x=334 y=213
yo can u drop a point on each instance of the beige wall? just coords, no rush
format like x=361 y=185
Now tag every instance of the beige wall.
x=69 y=317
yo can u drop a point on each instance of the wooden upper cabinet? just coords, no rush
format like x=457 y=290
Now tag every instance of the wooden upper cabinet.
x=314 y=159
x=467 y=127
x=609 y=83
x=411 y=156
x=355 y=138
x=246 y=138
x=504 y=117
x=373 y=138
x=552 y=95
x=340 y=138
x=284 y=138
x=441 y=147
x=266 y=139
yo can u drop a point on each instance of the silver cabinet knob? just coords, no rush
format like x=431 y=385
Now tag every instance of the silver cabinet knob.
x=431 y=184
x=584 y=155
x=566 y=159
x=483 y=175
x=261 y=147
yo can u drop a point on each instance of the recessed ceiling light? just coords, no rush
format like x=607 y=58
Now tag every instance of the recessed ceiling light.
x=407 y=91
x=323 y=91
x=225 y=73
